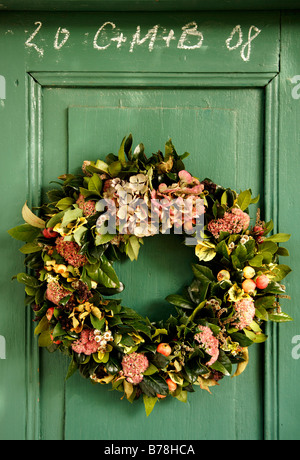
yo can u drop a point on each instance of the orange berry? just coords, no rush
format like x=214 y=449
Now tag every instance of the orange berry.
x=248 y=285
x=172 y=385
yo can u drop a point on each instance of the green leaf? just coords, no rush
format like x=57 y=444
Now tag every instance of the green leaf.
x=128 y=147
x=71 y=215
x=203 y=273
x=30 y=248
x=283 y=252
x=181 y=396
x=72 y=369
x=180 y=301
x=256 y=261
x=280 y=317
x=27 y=280
x=268 y=246
x=55 y=219
x=58 y=331
x=155 y=384
x=279 y=237
x=280 y=271
x=217 y=366
x=132 y=248
x=45 y=339
x=121 y=154
x=103 y=273
x=96 y=322
x=256 y=338
x=65 y=203
x=42 y=326
x=102 y=166
x=25 y=232
x=103 y=239
x=95 y=184
x=79 y=233
x=241 y=339
x=115 y=168
x=149 y=402
x=151 y=369
x=244 y=199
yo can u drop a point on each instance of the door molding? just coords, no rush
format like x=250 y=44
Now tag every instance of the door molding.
x=152 y=79
x=36 y=81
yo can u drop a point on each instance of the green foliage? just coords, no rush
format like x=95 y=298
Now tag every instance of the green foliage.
x=70 y=291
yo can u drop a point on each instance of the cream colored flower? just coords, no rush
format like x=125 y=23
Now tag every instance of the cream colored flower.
x=205 y=251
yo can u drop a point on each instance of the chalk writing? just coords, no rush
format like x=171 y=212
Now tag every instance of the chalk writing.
x=246 y=46
x=189 y=38
x=29 y=41
x=137 y=40
x=66 y=33
x=190 y=29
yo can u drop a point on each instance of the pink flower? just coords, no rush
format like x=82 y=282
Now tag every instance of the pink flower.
x=210 y=343
x=69 y=250
x=233 y=221
x=88 y=207
x=133 y=366
x=55 y=292
x=246 y=312
x=185 y=176
x=87 y=343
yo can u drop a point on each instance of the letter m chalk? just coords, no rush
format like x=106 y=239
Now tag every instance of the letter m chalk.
x=2 y=87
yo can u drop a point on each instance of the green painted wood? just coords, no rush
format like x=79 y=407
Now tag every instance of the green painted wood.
x=208 y=99
x=271 y=209
x=147 y=5
x=148 y=113
x=190 y=42
x=288 y=339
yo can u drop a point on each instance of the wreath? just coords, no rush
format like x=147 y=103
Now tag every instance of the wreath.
x=102 y=214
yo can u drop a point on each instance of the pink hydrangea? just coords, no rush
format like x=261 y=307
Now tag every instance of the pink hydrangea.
x=133 y=365
x=55 y=292
x=209 y=342
x=69 y=250
x=232 y=222
x=246 y=312
x=88 y=207
x=87 y=343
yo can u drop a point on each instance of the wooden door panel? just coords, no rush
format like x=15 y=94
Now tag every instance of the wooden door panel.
x=223 y=130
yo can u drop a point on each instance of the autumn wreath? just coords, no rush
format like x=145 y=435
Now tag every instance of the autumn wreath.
x=93 y=218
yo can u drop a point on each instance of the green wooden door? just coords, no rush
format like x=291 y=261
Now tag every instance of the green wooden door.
x=76 y=84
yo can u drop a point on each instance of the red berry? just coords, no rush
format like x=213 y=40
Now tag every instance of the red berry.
x=49 y=313
x=57 y=342
x=262 y=281
x=48 y=233
x=164 y=349
x=258 y=230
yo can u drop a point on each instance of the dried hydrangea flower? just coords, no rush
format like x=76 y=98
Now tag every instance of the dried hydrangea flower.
x=209 y=342
x=133 y=365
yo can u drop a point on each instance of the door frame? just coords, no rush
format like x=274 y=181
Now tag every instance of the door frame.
x=147 y=5
x=36 y=81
